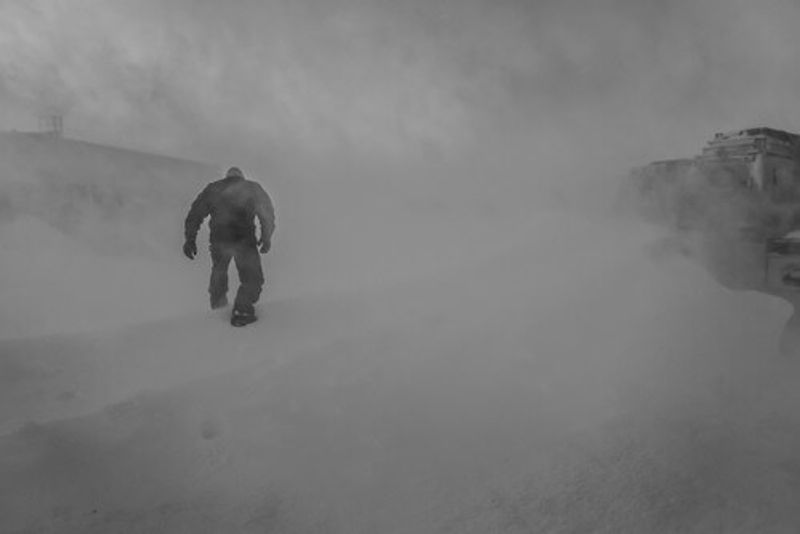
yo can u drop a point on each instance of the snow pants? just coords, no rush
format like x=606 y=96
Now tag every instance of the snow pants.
x=248 y=265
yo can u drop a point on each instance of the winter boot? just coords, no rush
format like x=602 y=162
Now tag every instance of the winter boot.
x=241 y=318
x=219 y=303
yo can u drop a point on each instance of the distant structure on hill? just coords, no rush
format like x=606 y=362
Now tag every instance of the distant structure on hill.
x=735 y=207
x=51 y=125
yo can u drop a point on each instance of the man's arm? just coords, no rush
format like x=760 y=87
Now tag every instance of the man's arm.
x=200 y=210
x=265 y=212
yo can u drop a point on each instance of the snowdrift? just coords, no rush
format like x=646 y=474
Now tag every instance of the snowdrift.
x=116 y=201
x=549 y=386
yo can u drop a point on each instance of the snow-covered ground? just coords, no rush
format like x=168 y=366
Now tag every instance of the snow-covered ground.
x=459 y=374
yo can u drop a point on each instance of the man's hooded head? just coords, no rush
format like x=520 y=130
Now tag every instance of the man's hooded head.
x=234 y=172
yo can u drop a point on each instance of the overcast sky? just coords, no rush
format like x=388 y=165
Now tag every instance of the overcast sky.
x=639 y=77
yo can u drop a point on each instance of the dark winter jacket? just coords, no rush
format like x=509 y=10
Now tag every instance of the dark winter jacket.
x=232 y=203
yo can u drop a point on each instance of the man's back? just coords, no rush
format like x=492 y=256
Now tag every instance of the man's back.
x=232 y=203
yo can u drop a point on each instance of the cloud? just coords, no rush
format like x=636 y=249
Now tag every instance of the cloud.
x=382 y=77
x=311 y=75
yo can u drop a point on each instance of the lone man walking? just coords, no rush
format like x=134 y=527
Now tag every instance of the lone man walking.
x=232 y=203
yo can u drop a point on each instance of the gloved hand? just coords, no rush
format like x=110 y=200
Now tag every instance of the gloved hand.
x=190 y=249
x=265 y=246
